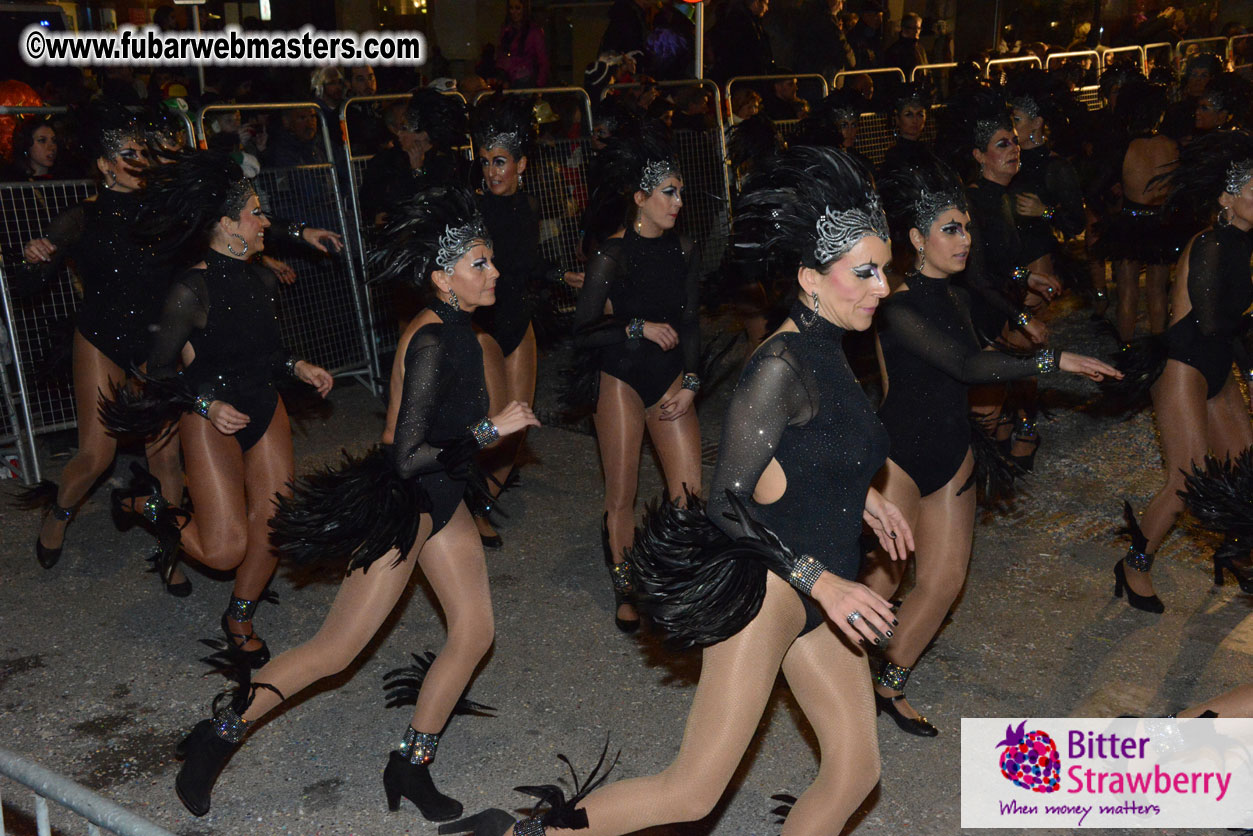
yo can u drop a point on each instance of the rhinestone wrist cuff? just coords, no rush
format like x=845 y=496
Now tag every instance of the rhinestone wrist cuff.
x=1046 y=360
x=635 y=329
x=295 y=228
x=1022 y=319
x=1021 y=274
x=484 y=432
x=201 y=406
x=805 y=573
x=893 y=676
x=290 y=366
x=691 y=381
x=1048 y=213
x=229 y=726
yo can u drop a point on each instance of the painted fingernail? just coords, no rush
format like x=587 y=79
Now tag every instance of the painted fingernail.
x=895 y=622
x=889 y=634
x=876 y=641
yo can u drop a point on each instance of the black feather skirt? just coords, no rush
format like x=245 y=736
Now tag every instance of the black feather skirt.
x=994 y=474
x=696 y=583
x=356 y=512
x=1145 y=237
x=150 y=408
x=1141 y=361
x=1220 y=494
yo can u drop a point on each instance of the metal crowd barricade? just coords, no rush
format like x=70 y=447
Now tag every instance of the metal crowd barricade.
x=931 y=68
x=876 y=134
x=578 y=92
x=1106 y=55
x=810 y=78
x=1005 y=62
x=322 y=316
x=1168 y=49
x=96 y=810
x=1231 y=53
x=706 y=185
x=1078 y=53
x=1089 y=96
x=843 y=74
x=1185 y=48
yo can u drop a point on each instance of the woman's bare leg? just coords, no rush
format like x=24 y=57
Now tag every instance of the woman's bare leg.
x=677 y=444
x=93 y=373
x=1127 y=280
x=497 y=381
x=1157 y=295
x=884 y=575
x=619 y=421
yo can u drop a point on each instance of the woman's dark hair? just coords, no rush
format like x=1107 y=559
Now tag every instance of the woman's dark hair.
x=1206 y=168
x=408 y=249
x=527 y=20
x=917 y=94
x=914 y=197
x=107 y=127
x=969 y=123
x=1141 y=106
x=443 y=118
x=628 y=163
x=24 y=139
x=822 y=125
x=504 y=121
x=1231 y=93
x=184 y=200
x=807 y=199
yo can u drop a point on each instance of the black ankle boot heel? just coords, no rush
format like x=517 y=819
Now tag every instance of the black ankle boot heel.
x=491 y=822
x=204 y=755
x=413 y=781
x=44 y=495
x=1243 y=575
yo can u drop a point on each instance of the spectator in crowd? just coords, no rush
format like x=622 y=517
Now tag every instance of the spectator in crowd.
x=671 y=45
x=861 y=85
x=867 y=36
x=522 y=57
x=330 y=89
x=821 y=46
x=745 y=104
x=1180 y=120
x=118 y=85
x=739 y=41
x=366 y=131
x=907 y=52
x=34 y=152
x=629 y=27
x=692 y=110
x=297 y=142
x=782 y=103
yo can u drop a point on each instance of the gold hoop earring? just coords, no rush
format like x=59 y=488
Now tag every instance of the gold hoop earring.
x=231 y=249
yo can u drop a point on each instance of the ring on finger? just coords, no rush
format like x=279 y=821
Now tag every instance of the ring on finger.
x=853 y=617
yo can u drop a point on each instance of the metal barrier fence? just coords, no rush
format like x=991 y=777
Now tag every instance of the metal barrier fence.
x=1152 y=49
x=876 y=135
x=96 y=810
x=1089 y=96
x=931 y=68
x=1005 y=62
x=802 y=80
x=1108 y=54
x=1195 y=46
x=322 y=316
x=1232 y=55
x=838 y=81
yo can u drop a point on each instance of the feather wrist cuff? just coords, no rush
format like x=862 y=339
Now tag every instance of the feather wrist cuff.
x=805 y=573
x=484 y=432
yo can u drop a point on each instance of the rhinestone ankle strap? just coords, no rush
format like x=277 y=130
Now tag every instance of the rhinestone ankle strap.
x=229 y=726
x=893 y=676
x=239 y=610
x=530 y=827
x=58 y=513
x=1138 y=560
x=418 y=747
x=621 y=574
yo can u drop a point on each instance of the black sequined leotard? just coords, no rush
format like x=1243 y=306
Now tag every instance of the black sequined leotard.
x=653 y=279
x=798 y=403
x=227 y=312
x=1051 y=178
x=513 y=225
x=444 y=394
x=932 y=354
x=124 y=279
x=1221 y=291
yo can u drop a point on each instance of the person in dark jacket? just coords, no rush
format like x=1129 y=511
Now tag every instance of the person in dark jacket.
x=867 y=36
x=821 y=46
x=907 y=53
x=740 y=43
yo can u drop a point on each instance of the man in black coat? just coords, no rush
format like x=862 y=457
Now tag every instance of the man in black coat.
x=740 y=44
x=821 y=46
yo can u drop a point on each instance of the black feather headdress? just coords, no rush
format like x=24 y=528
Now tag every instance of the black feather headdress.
x=915 y=196
x=969 y=123
x=914 y=94
x=808 y=208
x=751 y=142
x=184 y=200
x=1209 y=166
x=504 y=121
x=441 y=117
x=823 y=125
x=630 y=161
x=1140 y=106
x=427 y=233
x=106 y=127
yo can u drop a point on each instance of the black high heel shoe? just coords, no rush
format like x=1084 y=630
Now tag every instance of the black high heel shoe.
x=914 y=725
x=1225 y=559
x=240 y=611
x=1147 y=603
x=413 y=781
x=44 y=495
x=166 y=522
x=623 y=585
x=46 y=556
x=204 y=753
x=1025 y=433
x=491 y=822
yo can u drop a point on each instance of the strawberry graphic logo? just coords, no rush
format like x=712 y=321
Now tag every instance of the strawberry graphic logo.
x=1030 y=759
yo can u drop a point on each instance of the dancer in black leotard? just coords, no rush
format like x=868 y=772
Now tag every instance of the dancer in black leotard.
x=124 y=280
x=1196 y=400
x=931 y=355
x=639 y=313
x=219 y=321
x=799 y=447
x=399 y=507
x=909 y=119
x=503 y=131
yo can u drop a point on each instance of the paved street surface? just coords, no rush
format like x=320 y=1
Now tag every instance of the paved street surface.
x=99 y=674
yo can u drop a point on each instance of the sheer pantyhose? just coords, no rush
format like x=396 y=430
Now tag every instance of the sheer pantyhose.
x=1238 y=702
x=453 y=564
x=93 y=374
x=233 y=493
x=830 y=682
x=621 y=420
x=1156 y=296
x=943 y=525
x=508 y=379
x=1190 y=426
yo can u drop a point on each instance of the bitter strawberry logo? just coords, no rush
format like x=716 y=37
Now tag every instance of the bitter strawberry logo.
x=1030 y=759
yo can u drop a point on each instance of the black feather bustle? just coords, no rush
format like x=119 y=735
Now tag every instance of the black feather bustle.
x=713 y=368
x=697 y=584
x=406 y=248
x=751 y=142
x=580 y=387
x=403 y=684
x=356 y=512
x=442 y=118
x=40 y=495
x=1141 y=361
x=1220 y=494
x=994 y=474
x=1131 y=527
x=302 y=401
x=229 y=661
x=502 y=113
x=145 y=406
x=562 y=811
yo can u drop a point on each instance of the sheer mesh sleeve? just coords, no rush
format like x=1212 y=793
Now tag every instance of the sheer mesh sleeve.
x=1063 y=184
x=1206 y=272
x=689 y=327
x=771 y=396
x=917 y=335
x=593 y=328
x=65 y=231
x=186 y=310
x=412 y=452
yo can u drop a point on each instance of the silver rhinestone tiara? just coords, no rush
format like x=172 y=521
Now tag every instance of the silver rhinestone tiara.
x=931 y=205
x=511 y=141
x=839 y=232
x=457 y=241
x=655 y=173
x=1238 y=175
